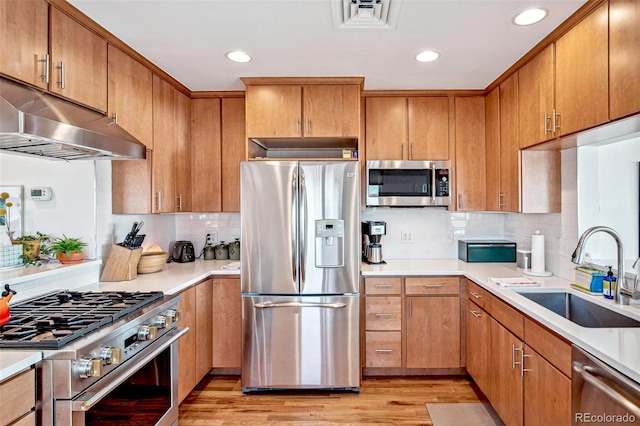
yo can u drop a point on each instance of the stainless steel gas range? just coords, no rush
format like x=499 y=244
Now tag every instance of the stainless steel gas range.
x=109 y=357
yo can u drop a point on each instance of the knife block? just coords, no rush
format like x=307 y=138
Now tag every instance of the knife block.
x=122 y=264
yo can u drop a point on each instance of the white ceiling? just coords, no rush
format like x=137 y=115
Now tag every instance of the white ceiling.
x=188 y=40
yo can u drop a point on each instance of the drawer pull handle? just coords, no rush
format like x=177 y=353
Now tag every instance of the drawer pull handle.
x=383 y=285
x=386 y=351
x=476 y=295
x=475 y=314
x=433 y=285
x=384 y=315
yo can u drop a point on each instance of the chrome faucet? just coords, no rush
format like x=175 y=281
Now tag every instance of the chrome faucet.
x=622 y=293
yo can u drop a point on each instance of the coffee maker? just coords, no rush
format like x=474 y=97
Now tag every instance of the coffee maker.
x=372 y=232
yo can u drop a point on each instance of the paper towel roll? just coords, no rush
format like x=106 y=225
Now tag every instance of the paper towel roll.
x=537 y=252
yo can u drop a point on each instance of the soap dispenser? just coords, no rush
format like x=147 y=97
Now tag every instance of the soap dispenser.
x=609 y=284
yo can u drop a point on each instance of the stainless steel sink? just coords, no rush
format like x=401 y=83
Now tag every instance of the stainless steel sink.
x=580 y=311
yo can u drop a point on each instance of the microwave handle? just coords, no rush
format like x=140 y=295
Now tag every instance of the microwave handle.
x=433 y=183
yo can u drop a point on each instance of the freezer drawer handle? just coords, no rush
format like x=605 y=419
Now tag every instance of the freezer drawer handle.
x=266 y=305
x=586 y=372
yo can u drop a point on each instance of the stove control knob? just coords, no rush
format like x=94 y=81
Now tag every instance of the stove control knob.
x=86 y=368
x=163 y=321
x=148 y=332
x=111 y=355
x=174 y=314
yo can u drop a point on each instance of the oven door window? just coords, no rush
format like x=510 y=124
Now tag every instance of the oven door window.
x=401 y=182
x=142 y=400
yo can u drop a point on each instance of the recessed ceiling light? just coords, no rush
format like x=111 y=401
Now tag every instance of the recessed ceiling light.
x=238 y=56
x=530 y=16
x=427 y=56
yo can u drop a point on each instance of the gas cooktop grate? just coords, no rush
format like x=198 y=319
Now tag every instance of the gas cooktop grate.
x=53 y=320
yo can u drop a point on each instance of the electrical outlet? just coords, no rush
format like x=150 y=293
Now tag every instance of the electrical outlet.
x=406 y=237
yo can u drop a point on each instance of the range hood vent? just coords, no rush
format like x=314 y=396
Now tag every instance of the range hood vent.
x=365 y=14
x=38 y=124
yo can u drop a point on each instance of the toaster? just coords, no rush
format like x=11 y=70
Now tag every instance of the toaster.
x=183 y=252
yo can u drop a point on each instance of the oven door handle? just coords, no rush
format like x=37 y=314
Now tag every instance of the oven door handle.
x=590 y=375
x=121 y=377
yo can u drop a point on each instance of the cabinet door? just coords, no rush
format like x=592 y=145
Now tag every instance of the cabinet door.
x=131 y=95
x=509 y=197
x=624 y=57
x=582 y=77
x=478 y=347
x=433 y=332
x=82 y=56
x=206 y=155
x=182 y=138
x=492 y=148
x=506 y=378
x=331 y=110
x=24 y=40
x=187 y=344
x=547 y=392
x=386 y=128
x=235 y=151
x=131 y=186
x=204 y=328
x=470 y=153
x=227 y=323
x=163 y=165
x=274 y=111
x=428 y=128
x=535 y=99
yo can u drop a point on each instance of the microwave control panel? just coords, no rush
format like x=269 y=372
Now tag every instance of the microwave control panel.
x=442 y=182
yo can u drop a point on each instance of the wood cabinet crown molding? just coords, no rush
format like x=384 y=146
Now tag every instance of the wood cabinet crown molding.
x=252 y=81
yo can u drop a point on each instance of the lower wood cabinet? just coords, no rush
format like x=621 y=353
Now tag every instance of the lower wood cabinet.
x=227 y=323
x=18 y=399
x=478 y=347
x=506 y=380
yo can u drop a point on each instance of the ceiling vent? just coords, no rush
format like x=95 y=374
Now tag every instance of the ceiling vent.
x=365 y=14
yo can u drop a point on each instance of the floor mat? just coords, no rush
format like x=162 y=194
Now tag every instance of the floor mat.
x=467 y=414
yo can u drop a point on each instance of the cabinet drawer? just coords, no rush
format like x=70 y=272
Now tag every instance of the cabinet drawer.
x=17 y=396
x=382 y=285
x=478 y=295
x=383 y=313
x=507 y=316
x=28 y=420
x=383 y=349
x=432 y=285
x=556 y=350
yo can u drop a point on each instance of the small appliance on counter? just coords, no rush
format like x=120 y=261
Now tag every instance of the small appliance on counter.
x=183 y=252
x=485 y=251
x=372 y=232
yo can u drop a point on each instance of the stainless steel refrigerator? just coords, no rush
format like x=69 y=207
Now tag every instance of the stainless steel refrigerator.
x=300 y=257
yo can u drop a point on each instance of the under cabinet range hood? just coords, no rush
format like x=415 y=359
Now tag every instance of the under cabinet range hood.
x=38 y=124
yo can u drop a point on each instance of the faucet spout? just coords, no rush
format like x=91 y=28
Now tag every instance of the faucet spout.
x=622 y=293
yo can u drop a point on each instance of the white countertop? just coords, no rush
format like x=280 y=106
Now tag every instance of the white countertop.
x=618 y=347
x=14 y=361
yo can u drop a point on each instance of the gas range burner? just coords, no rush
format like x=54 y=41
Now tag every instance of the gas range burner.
x=53 y=320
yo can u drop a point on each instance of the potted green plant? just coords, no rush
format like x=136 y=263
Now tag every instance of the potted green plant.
x=68 y=250
x=32 y=246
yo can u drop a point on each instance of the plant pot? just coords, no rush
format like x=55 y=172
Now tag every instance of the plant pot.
x=31 y=249
x=75 y=257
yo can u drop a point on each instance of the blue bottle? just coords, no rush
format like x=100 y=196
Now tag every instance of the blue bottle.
x=609 y=285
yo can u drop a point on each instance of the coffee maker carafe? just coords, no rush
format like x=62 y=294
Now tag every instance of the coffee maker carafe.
x=372 y=232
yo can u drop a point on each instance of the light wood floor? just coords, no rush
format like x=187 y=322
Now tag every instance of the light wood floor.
x=218 y=400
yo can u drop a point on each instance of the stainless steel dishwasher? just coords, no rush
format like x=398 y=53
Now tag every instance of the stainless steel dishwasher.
x=601 y=395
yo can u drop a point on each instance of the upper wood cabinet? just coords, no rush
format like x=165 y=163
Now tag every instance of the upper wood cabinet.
x=24 y=40
x=164 y=164
x=130 y=92
x=235 y=151
x=582 y=74
x=536 y=106
x=78 y=62
x=206 y=155
x=509 y=184
x=492 y=148
x=131 y=186
x=182 y=138
x=301 y=110
x=470 y=169
x=624 y=57
x=407 y=128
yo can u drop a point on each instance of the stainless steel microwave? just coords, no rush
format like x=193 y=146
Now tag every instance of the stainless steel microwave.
x=408 y=183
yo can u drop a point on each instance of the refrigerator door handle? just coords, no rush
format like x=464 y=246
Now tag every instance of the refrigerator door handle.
x=267 y=305
x=294 y=224
x=303 y=229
